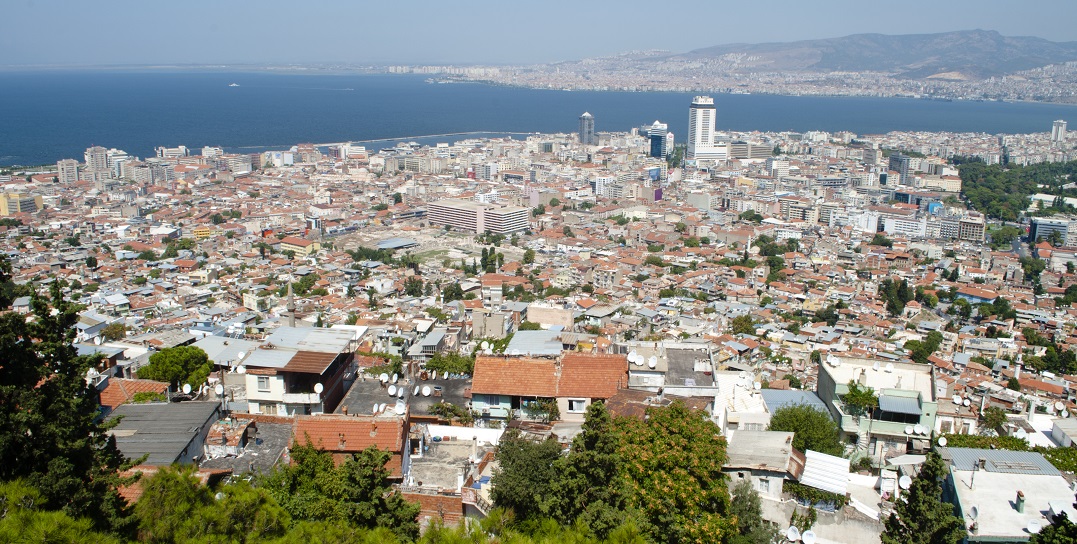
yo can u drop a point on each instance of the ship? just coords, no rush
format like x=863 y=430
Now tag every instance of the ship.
x=234 y=85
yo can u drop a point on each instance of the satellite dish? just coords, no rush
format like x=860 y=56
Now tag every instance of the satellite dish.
x=400 y=392
x=652 y=362
x=908 y=429
x=792 y=534
x=1034 y=527
x=375 y=409
x=632 y=355
x=484 y=344
x=889 y=367
x=965 y=402
x=383 y=377
x=942 y=441
x=918 y=428
x=241 y=369
x=446 y=374
x=1059 y=406
x=318 y=388
x=426 y=390
x=218 y=389
x=97 y=340
x=416 y=392
x=875 y=366
x=904 y=482
x=957 y=400
x=808 y=537
x=400 y=409
x=241 y=355
x=1020 y=433
x=1065 y=413
x=757 y=386
x=974 y=512
x=392 y=390
x=395 y=377
x=186 y=389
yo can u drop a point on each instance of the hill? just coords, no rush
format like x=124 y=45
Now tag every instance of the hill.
x=968 y=54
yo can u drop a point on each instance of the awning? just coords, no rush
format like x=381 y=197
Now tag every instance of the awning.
x=908 y=459
x=899 y=405
x=825 y=472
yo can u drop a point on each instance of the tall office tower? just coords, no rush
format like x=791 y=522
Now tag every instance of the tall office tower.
x=587 y=129
x=656 y=134
x=900 y=163
x=701 y=118
x=96 y=158
x=115 y=159
x=67 y=171
x=1058 y=131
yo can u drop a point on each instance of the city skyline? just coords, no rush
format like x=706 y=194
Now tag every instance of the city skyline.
x=333 y=32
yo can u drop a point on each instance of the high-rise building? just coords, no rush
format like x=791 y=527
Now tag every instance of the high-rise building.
x=901 y=164
x=702 y=116
x=67 y=171
x=587 y=129
x=660 y=139
x=96 y=158
x=1058 y=131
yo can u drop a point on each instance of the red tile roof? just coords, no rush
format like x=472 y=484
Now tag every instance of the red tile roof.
x=592 y=376
x=121 y=390
x=515 y=376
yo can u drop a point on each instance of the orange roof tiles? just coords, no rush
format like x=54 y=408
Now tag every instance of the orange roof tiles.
x=592 y=376
x=514 y=376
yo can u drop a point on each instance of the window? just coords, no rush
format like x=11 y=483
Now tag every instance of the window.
x=577 y=406
x=263 y=383
x=764 y=485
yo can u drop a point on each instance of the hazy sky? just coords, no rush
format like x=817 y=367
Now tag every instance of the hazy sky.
x=82 y=32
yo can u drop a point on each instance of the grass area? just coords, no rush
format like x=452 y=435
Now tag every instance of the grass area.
x=432 y=255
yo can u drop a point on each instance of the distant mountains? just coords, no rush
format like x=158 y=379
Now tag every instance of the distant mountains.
x=970 y=54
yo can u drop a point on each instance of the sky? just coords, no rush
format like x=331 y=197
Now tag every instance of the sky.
x=139 y=32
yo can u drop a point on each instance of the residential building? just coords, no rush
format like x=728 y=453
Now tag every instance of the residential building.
x=67 y=171
x=587 y=129
x=478 y=217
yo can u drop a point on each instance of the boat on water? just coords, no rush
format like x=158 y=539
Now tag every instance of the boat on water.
x=234 y=85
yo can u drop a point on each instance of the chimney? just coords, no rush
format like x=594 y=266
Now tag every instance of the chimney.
x=1020 y=504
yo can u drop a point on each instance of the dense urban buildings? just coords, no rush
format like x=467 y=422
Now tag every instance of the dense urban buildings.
x=423 y=299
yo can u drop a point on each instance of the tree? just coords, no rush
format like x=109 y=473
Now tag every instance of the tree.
x=993 y=417
x=526 y=469
x=25 y=519
x=177 y=366
x=860 y=400
x=555 y=202
x=921 y=516
x=537 y=211
x=812 y=429
x=529 y=326
x=91 y=262
x=356 y=492
x=672 y=463
x=413 y=286
x=881 y=240
x=114 y=331
x=568 y=232
x=743 y=324
x=452 y=292
x=1060 y=531
x=1013 y=384
x=176 y=507
x=794 y=381
x=747 y=508
x=529 y=256
x=52 y=439
x=217 y=219
x=589 y=488
x=398 y=198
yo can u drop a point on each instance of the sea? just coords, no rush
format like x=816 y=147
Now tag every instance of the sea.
x=46 y=116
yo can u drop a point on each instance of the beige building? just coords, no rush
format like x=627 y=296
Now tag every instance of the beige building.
x=13 y=203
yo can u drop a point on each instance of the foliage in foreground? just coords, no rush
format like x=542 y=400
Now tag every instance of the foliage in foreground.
x=921 y=516
x=813 y=429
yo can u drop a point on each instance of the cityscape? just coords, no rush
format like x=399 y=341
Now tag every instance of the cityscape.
x=666 y=332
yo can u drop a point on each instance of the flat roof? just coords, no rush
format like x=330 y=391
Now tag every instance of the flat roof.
x=994 y=494
x=903 y=376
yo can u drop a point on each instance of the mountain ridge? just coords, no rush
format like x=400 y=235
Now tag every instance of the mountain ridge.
x=974 y=54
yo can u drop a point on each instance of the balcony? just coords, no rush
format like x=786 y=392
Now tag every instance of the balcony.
x=301 y=398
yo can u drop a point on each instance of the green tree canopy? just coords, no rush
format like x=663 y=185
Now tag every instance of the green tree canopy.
x=52 y=440
x=921 y=516
x=526 y=471
x=812 y=429
x=357 y=492
x=748 y=509
x=177 y=366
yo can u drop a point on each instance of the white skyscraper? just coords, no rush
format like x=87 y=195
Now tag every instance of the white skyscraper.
x=701 y=120
x=67 y=171
x=1058 y=131
x=587 y=129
